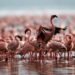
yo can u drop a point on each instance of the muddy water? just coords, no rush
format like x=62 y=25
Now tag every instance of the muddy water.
x=48 y=67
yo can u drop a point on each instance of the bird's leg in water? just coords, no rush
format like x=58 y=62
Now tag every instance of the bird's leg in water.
x=60 y=55
x=51 y=54
x=36 y=55
x=40 y=55
x=9 y=55
x=55 y=55
x=71 y=54
x=64 y=55
x=45 y=54
x=6 y=57
x=68 y=56
x=30 y=58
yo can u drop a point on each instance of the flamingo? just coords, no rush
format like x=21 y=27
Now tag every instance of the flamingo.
x=27 y=46
x=68 y=44
x=3 y=44
x=57 y=47
x=3 y=49
x=44 y=35
x=61 y=46
x=72 y=43
x=13 y=46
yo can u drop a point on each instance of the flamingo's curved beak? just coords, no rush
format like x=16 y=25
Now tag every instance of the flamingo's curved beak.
x=54 y=16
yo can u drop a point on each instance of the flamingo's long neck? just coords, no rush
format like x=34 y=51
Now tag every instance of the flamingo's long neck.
x=53 y=27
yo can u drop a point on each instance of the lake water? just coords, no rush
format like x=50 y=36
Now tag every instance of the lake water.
x=48 y=67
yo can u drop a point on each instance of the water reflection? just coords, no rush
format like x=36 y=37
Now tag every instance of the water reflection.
x=16 y=67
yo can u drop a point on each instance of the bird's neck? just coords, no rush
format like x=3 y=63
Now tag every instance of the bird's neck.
x=52 y=26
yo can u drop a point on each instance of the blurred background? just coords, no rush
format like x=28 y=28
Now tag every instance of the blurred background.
x=29 y=12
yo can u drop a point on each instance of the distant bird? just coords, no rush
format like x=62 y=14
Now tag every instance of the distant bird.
x=12 y=46
x=69 y=44
x=3 y=49
x=57 y=47
x=27 y=47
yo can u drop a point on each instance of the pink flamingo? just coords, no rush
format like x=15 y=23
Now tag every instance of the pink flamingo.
x=44 y=35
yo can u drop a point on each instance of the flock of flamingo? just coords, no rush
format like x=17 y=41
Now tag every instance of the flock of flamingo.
x=50 y=42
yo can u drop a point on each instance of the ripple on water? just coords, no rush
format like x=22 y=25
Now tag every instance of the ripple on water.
x=36 y=68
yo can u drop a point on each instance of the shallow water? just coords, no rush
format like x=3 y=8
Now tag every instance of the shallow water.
x=48 y=67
